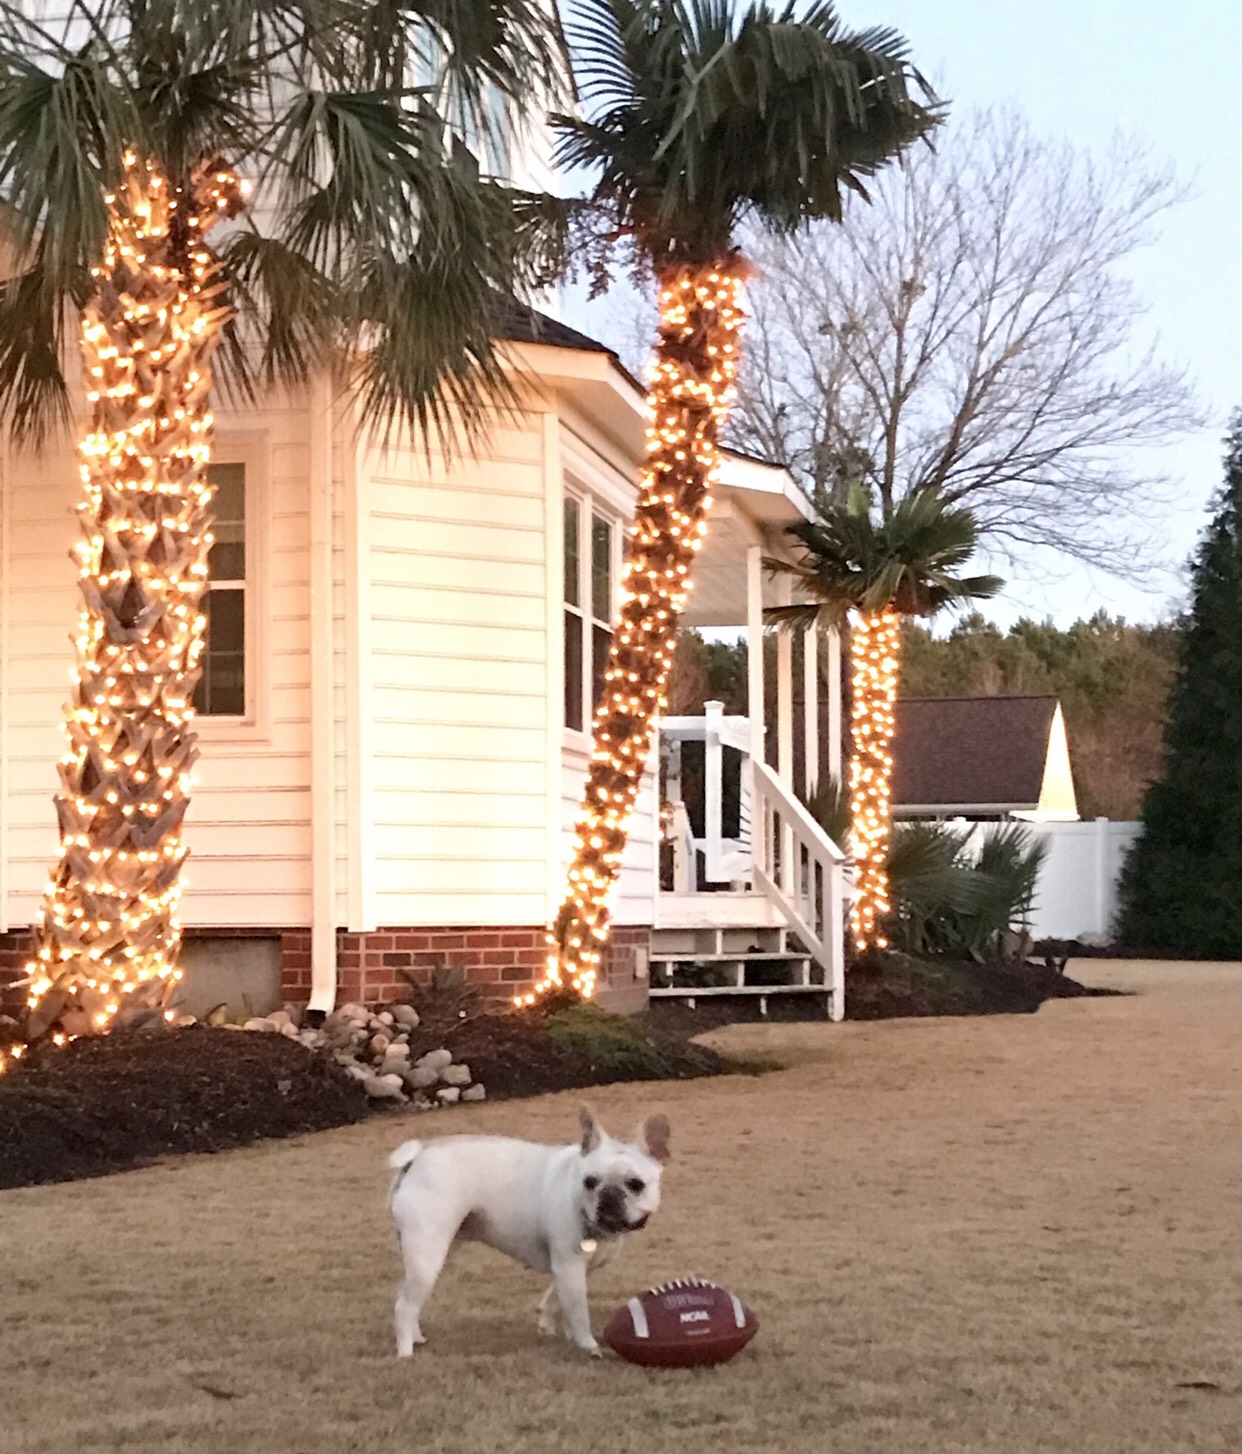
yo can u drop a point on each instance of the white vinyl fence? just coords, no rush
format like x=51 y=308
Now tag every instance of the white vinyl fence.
x=1077 y=893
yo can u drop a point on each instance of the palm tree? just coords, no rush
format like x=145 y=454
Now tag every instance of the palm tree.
x=880 y=571
x=701 y=120
x=379 y=252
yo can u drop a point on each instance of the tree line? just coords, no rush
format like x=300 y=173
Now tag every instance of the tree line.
x=1112 y=676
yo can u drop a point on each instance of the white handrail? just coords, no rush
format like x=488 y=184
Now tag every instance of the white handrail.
x=801 y=870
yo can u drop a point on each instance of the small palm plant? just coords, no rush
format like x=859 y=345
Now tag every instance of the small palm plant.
x=701 y=118
x=869 y=574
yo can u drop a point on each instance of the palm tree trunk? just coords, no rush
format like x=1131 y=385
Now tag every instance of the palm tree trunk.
x=875 y=664
x=695 y=367
x=108 y=938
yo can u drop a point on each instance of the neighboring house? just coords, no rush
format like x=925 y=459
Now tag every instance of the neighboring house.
x=401 y=661
x=983 y=758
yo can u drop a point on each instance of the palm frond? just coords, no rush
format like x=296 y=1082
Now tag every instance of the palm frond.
x=34 y=396
x=286 y=319
x=702 y=116
x=908 y=561
x=372 y=221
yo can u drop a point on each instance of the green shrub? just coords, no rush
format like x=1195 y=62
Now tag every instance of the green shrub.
x=615 y=1043
x=947 y=900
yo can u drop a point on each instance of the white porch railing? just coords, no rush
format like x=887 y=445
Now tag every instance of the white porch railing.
x=781 y=853
x=802 y=871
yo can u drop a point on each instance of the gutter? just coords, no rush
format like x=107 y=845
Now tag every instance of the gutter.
x=322 y=765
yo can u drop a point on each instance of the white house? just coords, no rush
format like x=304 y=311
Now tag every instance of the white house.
x=397 y=700
x=396 y=705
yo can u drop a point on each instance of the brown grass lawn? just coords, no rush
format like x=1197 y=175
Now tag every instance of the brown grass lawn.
x=1014 y=1234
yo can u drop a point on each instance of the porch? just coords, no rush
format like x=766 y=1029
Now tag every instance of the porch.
x=751 y=890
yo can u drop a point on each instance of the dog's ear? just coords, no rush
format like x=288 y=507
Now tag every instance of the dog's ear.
x=591 y=1134
x=653 y=1137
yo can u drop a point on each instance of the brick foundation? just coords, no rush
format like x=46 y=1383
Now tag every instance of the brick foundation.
x=16 y=948
x=501 y=960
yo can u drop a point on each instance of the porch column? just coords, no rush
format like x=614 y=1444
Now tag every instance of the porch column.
x=810 y=709
x=754 y=648
x=833 y=683
x=784 y=692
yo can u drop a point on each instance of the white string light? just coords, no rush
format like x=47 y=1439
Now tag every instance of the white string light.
x=108 y=934
x=875 y=642
x=689 y=395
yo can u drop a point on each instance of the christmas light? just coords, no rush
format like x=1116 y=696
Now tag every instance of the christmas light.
x=108 y=936
x=875 y=642
x=688 y=402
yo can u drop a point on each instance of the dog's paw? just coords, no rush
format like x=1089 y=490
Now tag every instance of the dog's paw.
x=595 y=1351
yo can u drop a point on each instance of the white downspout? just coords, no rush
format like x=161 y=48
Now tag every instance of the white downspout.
x=323 y=795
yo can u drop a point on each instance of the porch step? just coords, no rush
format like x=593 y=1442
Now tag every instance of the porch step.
x=730 y=972
x=756 y=956
x=752 y=989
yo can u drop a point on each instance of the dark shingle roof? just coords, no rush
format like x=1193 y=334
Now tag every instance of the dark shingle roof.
x=971 y=751
x=520 y=324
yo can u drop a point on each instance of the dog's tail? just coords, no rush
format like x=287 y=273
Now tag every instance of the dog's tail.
x=404 y=1155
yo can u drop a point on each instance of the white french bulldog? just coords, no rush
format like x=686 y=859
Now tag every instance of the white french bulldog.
x=557 y=1209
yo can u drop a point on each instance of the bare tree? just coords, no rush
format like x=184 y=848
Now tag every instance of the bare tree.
x=973 y=329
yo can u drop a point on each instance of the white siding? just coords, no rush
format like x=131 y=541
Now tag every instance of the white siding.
x=249 y=821
x=455 y=559
x=455 y=786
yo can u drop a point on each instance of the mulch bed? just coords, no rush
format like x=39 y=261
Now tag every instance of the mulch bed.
x=901 y=989
x=128 y=1099
x=125 y=1100
x=554 y=1048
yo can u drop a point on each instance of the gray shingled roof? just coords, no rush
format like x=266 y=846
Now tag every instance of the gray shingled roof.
x=971 y=751
x=521 y=324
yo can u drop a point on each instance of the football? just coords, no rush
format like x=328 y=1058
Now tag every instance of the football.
x=686 y=1324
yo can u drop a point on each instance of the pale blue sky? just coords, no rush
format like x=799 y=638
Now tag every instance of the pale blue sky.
x=1084 y=69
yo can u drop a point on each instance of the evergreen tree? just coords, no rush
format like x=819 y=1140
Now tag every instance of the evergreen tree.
x=1181 y=890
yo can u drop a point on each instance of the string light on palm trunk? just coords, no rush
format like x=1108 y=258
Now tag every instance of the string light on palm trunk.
x=875 y=645
x=108 y=937
x=688 y=402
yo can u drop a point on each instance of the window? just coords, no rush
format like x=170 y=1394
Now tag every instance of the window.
x=222 y=688
x=590 y=573
x=484 y=129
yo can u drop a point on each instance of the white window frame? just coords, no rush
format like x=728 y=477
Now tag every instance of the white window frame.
x=590 y=508
x=493 y=147
x=250 y=450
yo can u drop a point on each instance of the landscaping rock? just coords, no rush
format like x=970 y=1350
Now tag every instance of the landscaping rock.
x=458 y=1075
x=352 y=1012
x=397 y=1051
x=474 y=1093
x=385 y=1017
x=449 y=1095
x=435 y=1060
x=380 y=1042
x=384 y=1087
x=278 y=1019
x=420 y=1077
x=258 y=1024
x=405 y=1015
